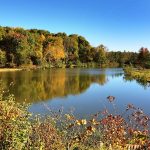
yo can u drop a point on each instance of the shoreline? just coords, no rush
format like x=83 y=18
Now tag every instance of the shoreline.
x=37 y=67
x=9 y=69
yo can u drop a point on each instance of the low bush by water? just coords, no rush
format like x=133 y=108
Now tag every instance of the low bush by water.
x=142 y=75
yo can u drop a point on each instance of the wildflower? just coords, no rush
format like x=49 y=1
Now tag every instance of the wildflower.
x=139 y=112
x=70 y=125
x=78 y=122
x=69 y=117
x=111 y=98
x=104 y=112
x=101 y=144
x=130 y=106
x=81 y=122
x=91 y=129
x=88 y=132
x=94 y=122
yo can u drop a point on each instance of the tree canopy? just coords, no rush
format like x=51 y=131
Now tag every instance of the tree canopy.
x=20 y=47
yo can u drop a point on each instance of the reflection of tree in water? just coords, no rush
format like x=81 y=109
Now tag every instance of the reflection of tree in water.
x=47 y=84
x=145 y=84
x=117 y=75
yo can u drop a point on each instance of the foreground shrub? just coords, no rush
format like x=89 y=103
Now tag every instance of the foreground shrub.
x=19 y=130
x=129 y=130
x=14 y=123
x=44 y=135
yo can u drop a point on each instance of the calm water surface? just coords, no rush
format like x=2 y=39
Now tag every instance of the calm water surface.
x=83 y=90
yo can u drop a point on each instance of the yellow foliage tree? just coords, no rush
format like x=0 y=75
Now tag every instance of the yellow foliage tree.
x=54 y=49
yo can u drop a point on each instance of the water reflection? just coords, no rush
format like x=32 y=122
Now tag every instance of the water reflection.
x=144 y=84
x=83 y=89
x=40 y=85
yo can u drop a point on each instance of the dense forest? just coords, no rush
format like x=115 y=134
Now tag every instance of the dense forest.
x=40 y=48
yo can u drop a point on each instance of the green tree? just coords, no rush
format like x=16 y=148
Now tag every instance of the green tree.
x=71 y=48
x=144 y=57
x=22 y=50
x=36 y=47
x=84 y=49
x=2 y=58
x=100 y=56
x=2 y=33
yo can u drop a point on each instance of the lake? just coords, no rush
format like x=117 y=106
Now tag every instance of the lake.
x=83 y=91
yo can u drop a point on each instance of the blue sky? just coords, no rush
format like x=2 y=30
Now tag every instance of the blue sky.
x=118 y=24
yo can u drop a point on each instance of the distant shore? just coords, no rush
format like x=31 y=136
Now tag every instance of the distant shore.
x=9 y=69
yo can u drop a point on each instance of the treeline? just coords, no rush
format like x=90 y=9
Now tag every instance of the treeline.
x=22 y=48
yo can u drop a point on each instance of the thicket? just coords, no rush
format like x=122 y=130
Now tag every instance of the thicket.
x=20 y=130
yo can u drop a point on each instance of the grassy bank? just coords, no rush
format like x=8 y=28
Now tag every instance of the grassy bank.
x=20 y=130
x=138 y=74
